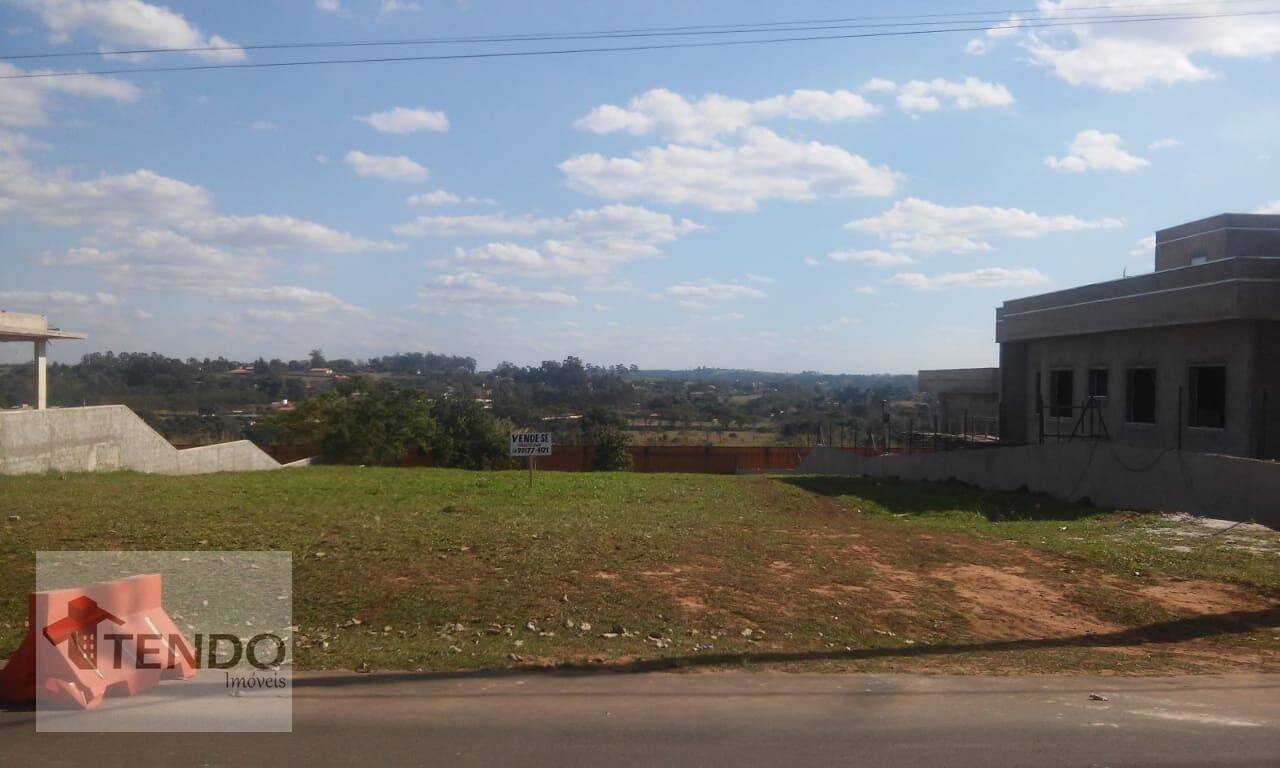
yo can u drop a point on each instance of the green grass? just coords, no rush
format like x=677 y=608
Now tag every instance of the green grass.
x=826 y=573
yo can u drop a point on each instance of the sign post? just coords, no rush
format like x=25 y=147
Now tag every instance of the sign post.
x=530 y=445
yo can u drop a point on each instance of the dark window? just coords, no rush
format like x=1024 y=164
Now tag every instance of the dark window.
x=1099 y=383
x=1208 y=396
x=1141 y=396
x=1060 y=393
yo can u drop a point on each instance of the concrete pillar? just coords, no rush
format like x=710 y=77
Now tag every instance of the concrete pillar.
x=42 y=375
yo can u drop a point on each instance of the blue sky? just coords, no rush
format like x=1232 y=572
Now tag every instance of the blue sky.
x=844 y=206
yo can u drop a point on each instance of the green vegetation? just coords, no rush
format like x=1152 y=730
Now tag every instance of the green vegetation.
x=473 y=570
x=371 y=422
x=211 y=400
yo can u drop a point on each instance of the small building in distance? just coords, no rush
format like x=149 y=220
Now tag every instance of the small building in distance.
x=968 y=399
x=1185 y=357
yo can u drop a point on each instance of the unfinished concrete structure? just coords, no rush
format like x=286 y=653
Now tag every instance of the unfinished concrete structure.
x=97 y=438
x=1187 y=357
x=16 y=326
x=105 y=438
x=968 y=399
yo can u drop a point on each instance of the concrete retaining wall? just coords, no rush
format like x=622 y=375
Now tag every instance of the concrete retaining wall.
x=110 y=437
x=1107 y=474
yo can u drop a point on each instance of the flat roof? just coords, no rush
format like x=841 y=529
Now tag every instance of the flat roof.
x=21 y=326
x=1222 y=290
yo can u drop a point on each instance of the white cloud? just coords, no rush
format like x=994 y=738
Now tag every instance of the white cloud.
x=611 y=219
x=127 y=23
x=672 y=116
x=61 y=299
x=873 y=257
x=987 y=277
x=405 y=120
x=79 y=257
x=762 y=279
x=700 y=294
x=261 y=232
x=389 y=167
x=919 y=225
x=1126 y=57
x=929 y=95
x=148 y=231
x=438 y=197
x=731 y=178
x=1164 y=144
x=329 y=6
x=865 y=290
x=28 y=102
x=478 y=291
x=1093 y=150
x=586 y=242
x=397 y=6
x=1272 y=207
x=263 y=125
x=289 y=301
x=976 y=46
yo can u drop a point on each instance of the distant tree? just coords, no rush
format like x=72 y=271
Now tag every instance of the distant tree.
x=317 y=358
x=612 y=448
x=466 y=435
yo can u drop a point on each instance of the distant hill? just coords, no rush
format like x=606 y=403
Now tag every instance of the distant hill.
x=746 y=376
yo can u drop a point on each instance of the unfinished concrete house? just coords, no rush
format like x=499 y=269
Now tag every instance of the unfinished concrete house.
x=1187 y=357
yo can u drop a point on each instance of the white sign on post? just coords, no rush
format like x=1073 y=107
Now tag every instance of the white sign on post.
x=530 y=444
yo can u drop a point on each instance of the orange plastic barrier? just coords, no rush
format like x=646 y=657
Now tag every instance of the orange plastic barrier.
x=67 y=660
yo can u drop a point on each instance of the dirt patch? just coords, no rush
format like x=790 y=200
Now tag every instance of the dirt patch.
x=1004 y=603
x=691 y=604
x=1203 y=597
x=605 y=575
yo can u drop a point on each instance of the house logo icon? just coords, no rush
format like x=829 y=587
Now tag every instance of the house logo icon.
x=80 y=627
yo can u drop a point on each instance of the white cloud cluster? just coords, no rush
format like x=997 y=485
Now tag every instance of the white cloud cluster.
x=1126 y=57
x=59 y=299
x=387 y=167
x=476 y=292
x=701 y=294
x=389 y=7
x=674 y=117
x=437 y=198
x=288 y=303
x=28 y=102
x=986 y=277
x=329 y=6
x=586 y=242
x=128 y=23
x=929 y=95
x=144 y=230
x=1272 y=207
x=919 y=225
x=731 y=178
x=406 y=120
x=875 y=258
x=1093 y=150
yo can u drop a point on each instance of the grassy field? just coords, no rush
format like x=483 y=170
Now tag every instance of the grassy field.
x=454 y=570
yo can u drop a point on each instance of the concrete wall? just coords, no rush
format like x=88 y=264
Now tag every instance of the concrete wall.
x=1110 y=475
x=1171 y=351
x=110 y=437
x=1230 y=235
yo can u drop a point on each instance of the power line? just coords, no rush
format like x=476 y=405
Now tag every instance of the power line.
x=957 y=17
x=634 y=48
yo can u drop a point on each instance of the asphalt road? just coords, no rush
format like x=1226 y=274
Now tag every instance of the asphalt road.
x=737 y=718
